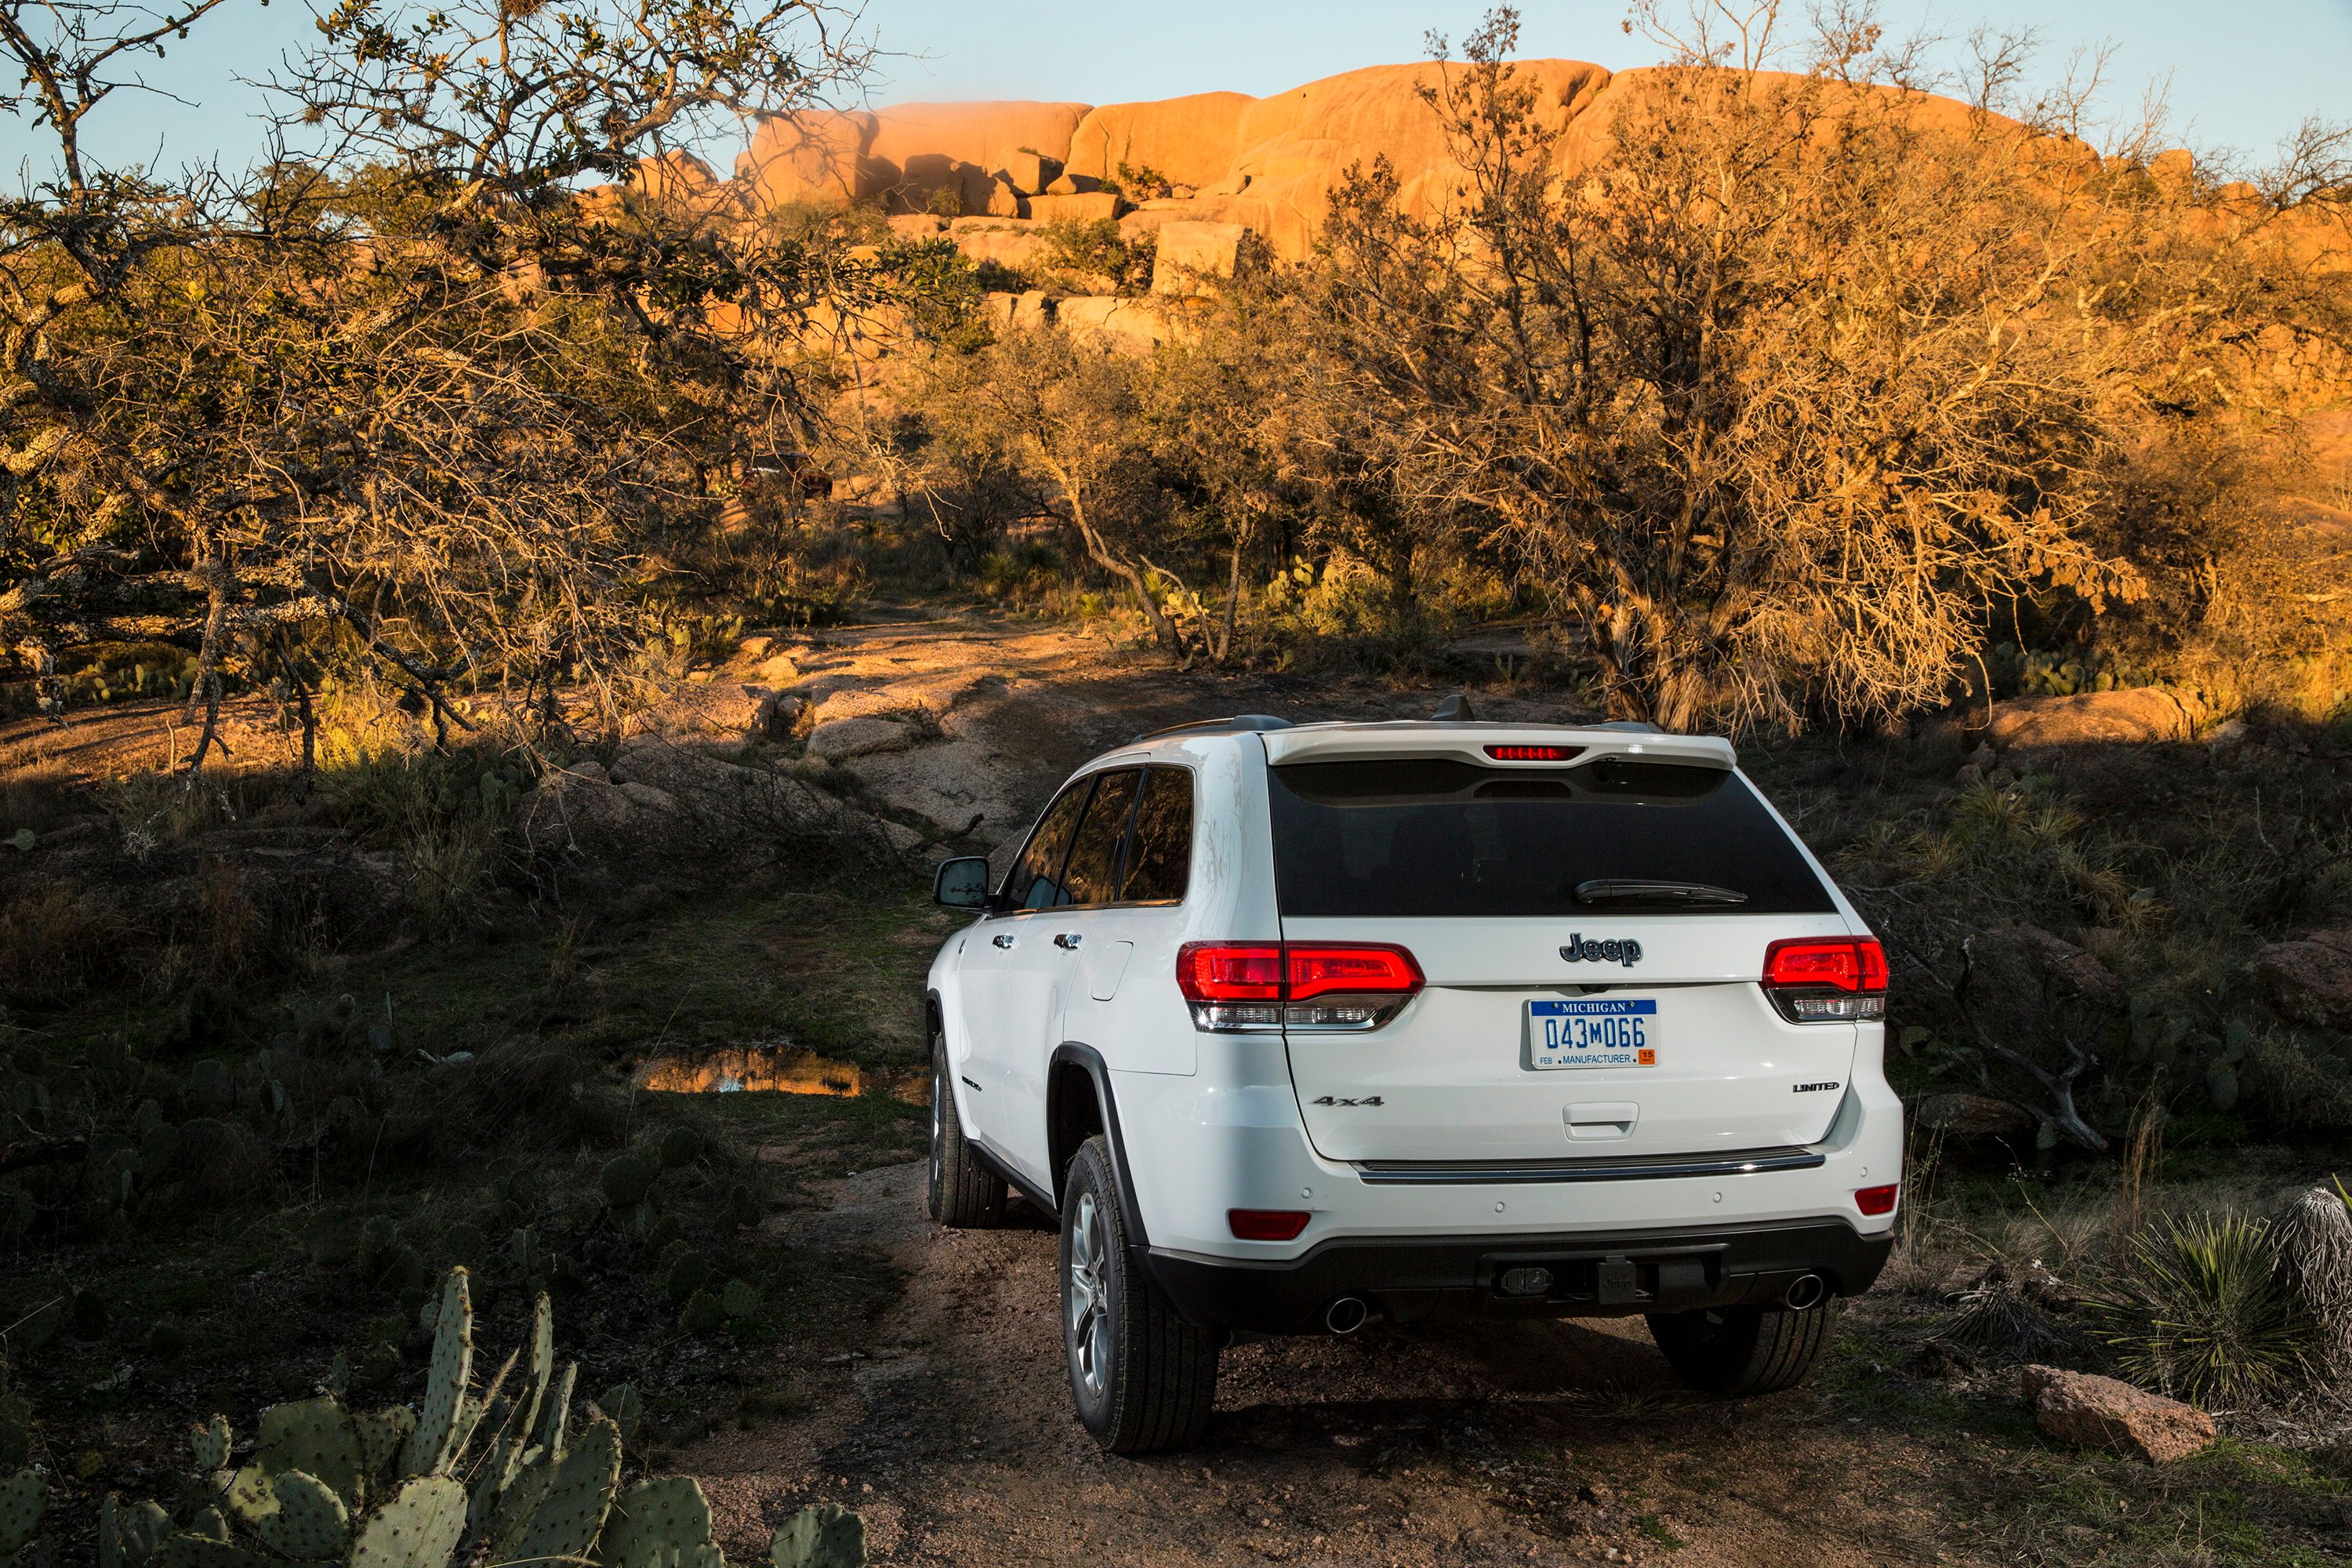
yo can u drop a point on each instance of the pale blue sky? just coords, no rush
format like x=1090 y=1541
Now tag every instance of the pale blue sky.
x=2241 y=75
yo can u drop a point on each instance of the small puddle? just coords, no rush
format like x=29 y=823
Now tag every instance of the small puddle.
x=777 y=1069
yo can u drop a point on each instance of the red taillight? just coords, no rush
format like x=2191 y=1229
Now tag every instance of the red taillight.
x=1293 y=971
x=1534 y=753
x=1869 y=1200
x=1268 y=1224
x=1229 y=971
x=1353 y=969
x=1839 y=964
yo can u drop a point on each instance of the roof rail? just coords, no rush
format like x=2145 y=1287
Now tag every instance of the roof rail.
x=1239 y=723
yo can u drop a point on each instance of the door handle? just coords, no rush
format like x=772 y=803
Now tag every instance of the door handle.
x=1068 y=940
x=1002 y=939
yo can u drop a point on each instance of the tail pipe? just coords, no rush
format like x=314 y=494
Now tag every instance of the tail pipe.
x=1346 y=1315
x=1804 y=1291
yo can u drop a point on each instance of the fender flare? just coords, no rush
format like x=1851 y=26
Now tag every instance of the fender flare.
x=1090 y=1061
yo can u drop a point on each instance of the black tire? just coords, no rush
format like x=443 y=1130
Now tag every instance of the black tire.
x=964 y=1192
x=1741 y=1351
x=1143 y=1379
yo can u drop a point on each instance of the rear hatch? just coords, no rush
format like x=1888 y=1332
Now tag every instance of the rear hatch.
x=1592 y=929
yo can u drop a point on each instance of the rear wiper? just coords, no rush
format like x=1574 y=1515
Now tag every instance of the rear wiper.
x=1635 y=891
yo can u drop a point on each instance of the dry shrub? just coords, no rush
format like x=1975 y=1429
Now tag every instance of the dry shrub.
x=55 y=944
x=2314 y=1239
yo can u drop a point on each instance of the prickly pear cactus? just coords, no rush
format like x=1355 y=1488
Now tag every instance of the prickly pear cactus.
x=209 y=1524
x=317 y=1437
x=703 y=1311
x=538 y=1374
x=380 y=1435
x=658 y=1521
x=419 y=1528
x=626 y=1410
x=210 y=1443
x=311 y=1522
x=681 y=1146
x=250 y=1497
x=190 y=1550
x=826 y=1536
x=433 y=1445
x=579 y=1491
x=23 y=1498
x=627 y=1179
x=137 y=1532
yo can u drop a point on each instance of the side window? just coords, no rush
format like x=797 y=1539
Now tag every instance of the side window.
x=1160 y=854
x=1035 y=879
x=1092 y=877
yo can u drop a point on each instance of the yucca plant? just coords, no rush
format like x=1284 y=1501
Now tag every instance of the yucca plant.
x=2203 y=1311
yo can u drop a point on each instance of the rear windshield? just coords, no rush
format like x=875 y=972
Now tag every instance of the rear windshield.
x=1421 y=838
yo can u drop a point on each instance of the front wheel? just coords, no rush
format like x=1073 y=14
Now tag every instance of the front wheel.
x=964 y=1194
x=1741 y=1351
x=1144 y=1379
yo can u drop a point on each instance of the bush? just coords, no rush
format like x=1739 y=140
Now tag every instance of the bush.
x=2202 y=1310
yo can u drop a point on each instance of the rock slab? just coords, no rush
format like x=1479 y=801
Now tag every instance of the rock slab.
x=2102 y=1413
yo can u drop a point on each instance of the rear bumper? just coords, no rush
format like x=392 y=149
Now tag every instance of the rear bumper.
x=1593 y=1274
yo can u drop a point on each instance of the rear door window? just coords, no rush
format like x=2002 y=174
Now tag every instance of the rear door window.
x=1092 y=874
x=1160 y=849
x=1035 y=879
x=1422 y=836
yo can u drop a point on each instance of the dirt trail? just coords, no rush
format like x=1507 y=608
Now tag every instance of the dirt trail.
x=1451 y=1445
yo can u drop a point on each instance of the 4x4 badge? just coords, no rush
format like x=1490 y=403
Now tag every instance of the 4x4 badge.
x=1616 y=949
x=1328 y=1099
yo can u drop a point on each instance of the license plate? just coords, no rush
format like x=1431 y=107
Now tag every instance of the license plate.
x=1604 y=1031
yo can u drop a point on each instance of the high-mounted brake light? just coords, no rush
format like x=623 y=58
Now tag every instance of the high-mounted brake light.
x=1243 y=987
x=1534 y=753
x=1827 y=980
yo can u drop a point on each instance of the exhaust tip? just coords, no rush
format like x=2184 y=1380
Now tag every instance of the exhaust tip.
x=1346 y=1315
x=1806 y=1291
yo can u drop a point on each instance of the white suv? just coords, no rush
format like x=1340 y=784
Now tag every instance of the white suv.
x=1296 y=1025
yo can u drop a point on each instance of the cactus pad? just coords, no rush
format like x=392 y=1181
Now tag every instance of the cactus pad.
x=826 y=1536
x=627 y=1179
x=538 y=1374
x=555 y=1413
x=419 y=1528
x=579 y=1491
x=381 y=1434
x=740 y=1297
x=23 y=1498
x=315 y=1437
x=681 y=1146
x=517 y=1504
x=656 y=1523
x=311 y=1521
x=249 y=1494
x=210 y=1442
x=431 y=1445
x=621 y=1403
x=209 y=1524
x=140 y=1529
x=702 y=1313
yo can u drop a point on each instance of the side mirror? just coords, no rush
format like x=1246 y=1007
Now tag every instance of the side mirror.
x=961 y=883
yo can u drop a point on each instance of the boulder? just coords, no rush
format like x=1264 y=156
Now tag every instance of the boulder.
x=1130 y=325
x=1004 y=201
x=715 y=710
x=2102 y=1413
x=1087 y=206
x=1013 y=245
x=1029 y=173
x=918 y=226
x=1188 y=140
x=2308 y=979
x=2137 y=714
x=838 y=739
x=1071 y=185
x=1192 y=254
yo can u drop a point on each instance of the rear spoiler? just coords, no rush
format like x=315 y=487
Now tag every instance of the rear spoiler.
x=1491 y=746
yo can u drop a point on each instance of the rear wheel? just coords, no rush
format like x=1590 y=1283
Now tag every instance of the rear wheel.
x=1144 y=1380
x=963 y=1193
x=1745 y=1350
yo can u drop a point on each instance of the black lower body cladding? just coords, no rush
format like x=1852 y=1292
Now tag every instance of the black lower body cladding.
x=1614 y=1274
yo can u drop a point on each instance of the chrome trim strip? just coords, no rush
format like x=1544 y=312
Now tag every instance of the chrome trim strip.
x=1640 y=1168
